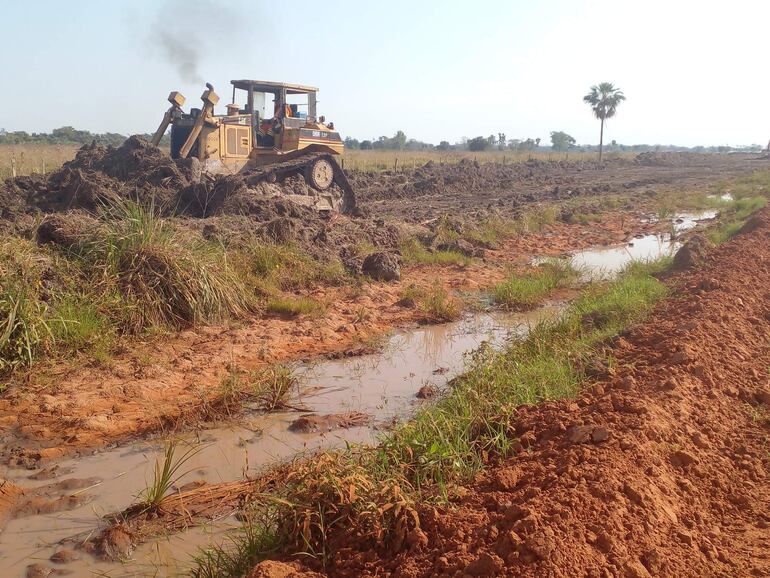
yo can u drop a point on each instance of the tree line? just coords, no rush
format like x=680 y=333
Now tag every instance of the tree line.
x=66 y=135
x=559 y=141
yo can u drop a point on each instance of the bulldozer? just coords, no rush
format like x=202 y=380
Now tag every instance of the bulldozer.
x=268 y=145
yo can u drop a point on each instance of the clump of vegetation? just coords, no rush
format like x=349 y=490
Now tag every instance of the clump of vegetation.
x=292 y=306
x=438 y=305
x=523 y=291
x=734 y=217
x=23 y=326
x=755 y=184
x=534 y=221
x=271 y=267
x=269 y=389
x=411 y=295
x=165 y=475
x=273 y=386
x=24 y=308
x=491 y=231
x=81 y=324
x=414 y=252
x=166 y=278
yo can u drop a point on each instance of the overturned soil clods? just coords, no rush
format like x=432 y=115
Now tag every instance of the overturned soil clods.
x=68 y=230
x=692 y=253
x=382 y=266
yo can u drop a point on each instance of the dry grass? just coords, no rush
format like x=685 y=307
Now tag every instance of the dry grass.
x=39 y=158
x=33 y=158
x=380 y=160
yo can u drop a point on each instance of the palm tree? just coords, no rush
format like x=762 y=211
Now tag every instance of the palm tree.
x=604 y=100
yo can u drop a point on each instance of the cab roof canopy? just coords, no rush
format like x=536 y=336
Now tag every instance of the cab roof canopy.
x=274 y=87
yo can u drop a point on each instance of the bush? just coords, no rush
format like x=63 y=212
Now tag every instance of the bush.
x=165 y=278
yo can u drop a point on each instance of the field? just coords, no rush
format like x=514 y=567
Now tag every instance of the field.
x=28 y=159
x=40 y=158
x=500 y=365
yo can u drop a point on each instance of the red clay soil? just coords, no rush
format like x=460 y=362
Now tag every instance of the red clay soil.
x=660 y=469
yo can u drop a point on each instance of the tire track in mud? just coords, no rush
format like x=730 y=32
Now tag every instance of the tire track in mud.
x=658 y=469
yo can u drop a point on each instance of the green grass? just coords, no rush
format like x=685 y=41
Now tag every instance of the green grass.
x=522 y=291
x=411 y=295
x=23 y=326
x=170 y=279
x=755 y=184
x=242 y=551
x=24 y=310
x=491 y=231
x=535 y=221
x=734 y=217
x=438 y=305
x=292 y=306
x=166 y=473
x=270 y=267
x=413 y=252
x=79 y=324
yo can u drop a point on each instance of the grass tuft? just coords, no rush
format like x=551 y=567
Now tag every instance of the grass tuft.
x=523 y=291
x=166 y=474
x=169 y=280
x=292 y=306
x=438 y=305
x=413 y=252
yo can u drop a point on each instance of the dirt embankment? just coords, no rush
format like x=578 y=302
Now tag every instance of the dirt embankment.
x=659 y=469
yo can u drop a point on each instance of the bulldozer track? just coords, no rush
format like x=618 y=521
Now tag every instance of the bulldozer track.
x=277 y=172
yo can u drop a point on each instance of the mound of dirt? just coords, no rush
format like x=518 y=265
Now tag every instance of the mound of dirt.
x=382 y=266
x=660 y=469
x=671 y=159
x=135 y=161
x=692 y=253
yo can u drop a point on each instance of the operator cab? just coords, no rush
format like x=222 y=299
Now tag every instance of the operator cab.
x=283 y=116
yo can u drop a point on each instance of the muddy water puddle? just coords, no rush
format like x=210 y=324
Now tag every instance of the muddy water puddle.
x=382 y=386
x=605 y=262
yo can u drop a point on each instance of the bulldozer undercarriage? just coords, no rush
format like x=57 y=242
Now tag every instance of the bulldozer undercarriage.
x=328 y=186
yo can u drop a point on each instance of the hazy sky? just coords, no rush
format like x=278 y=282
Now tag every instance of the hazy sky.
x=693 y=71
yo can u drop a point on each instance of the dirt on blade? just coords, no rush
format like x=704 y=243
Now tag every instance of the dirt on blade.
x=658 y=469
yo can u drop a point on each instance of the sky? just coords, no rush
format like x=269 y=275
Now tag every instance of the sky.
x=693 y=71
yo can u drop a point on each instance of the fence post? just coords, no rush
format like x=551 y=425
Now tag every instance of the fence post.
x=13 y=166
x=395 y=164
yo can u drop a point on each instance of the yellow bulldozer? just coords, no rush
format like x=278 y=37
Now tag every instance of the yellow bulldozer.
x=269 y=140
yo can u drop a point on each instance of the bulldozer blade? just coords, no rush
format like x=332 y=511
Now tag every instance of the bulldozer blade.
x=162 y=128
